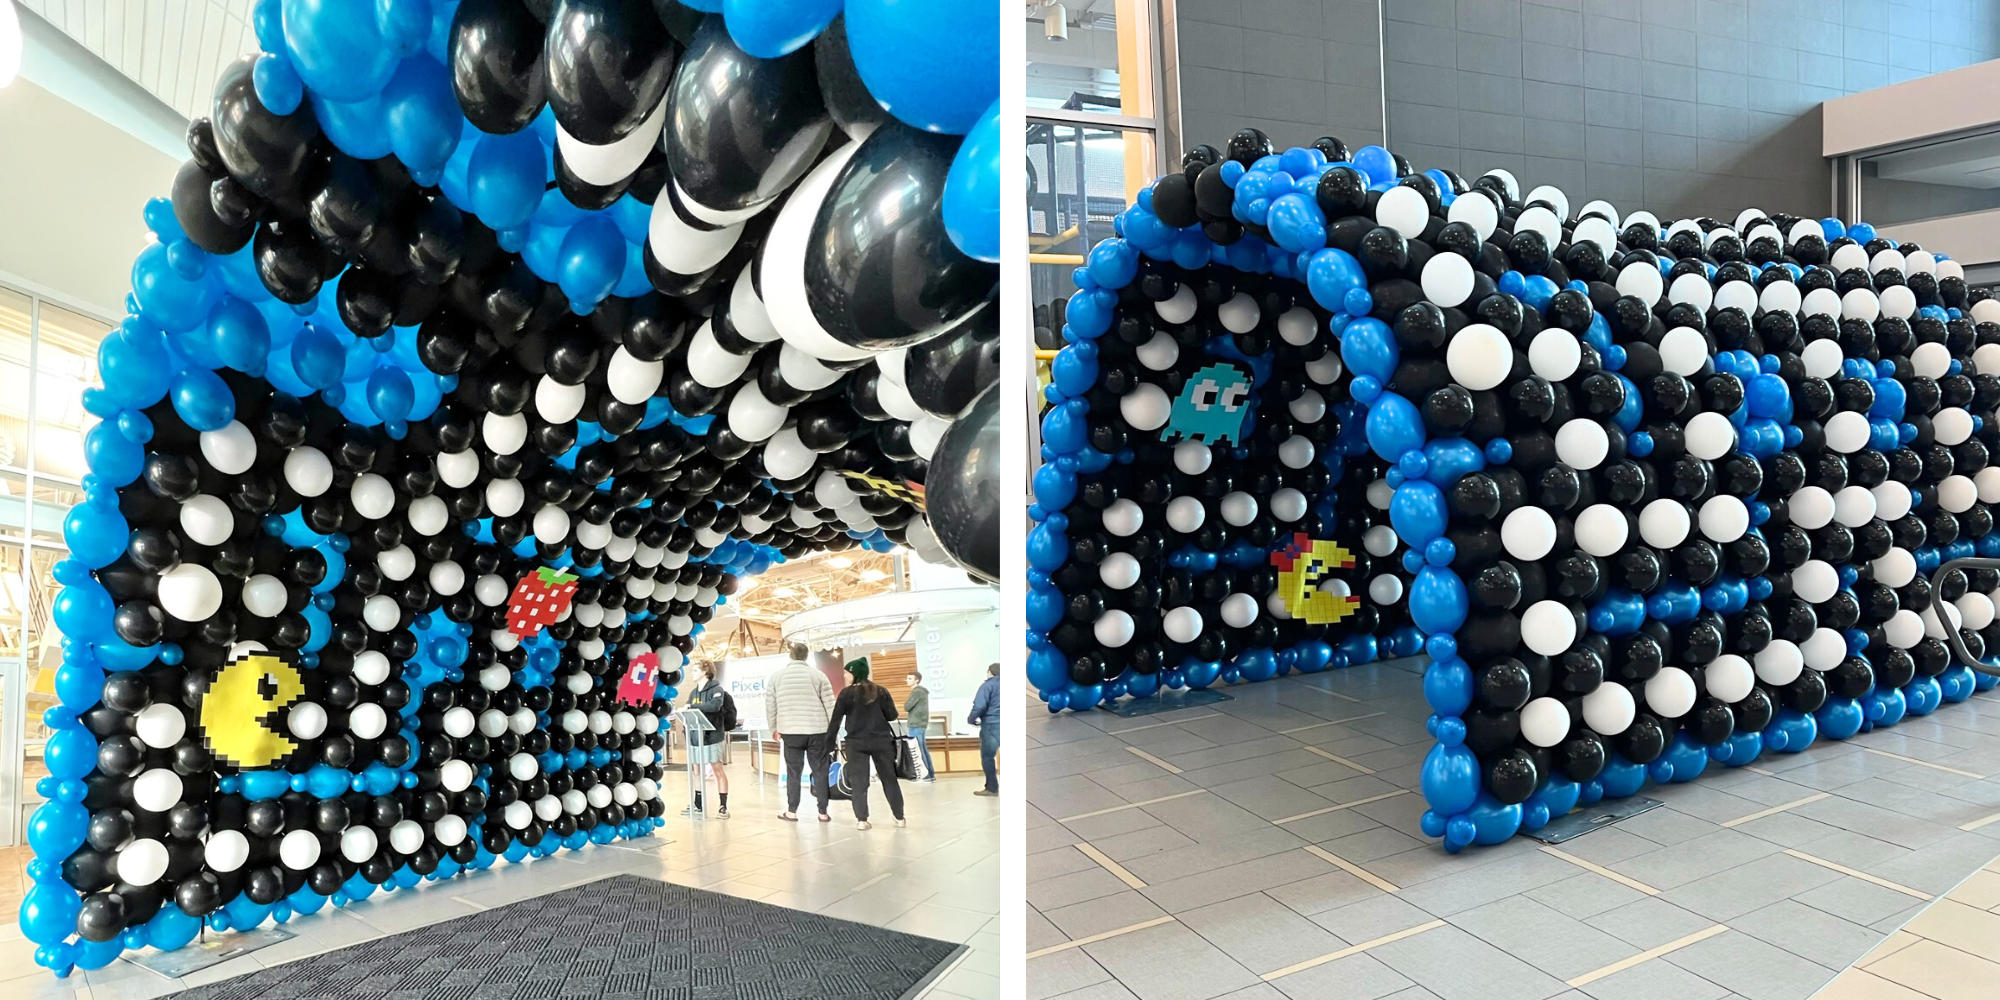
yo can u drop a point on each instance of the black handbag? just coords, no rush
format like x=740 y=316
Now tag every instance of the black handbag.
x=909 y=767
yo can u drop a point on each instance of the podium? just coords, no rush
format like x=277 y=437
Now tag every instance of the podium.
x=692 y=722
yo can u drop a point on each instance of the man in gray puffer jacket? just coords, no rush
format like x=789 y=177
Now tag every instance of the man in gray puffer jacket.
x=798 y=701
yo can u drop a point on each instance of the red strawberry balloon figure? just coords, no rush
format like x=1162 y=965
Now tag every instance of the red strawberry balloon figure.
x=539 y=599
x=640 y=681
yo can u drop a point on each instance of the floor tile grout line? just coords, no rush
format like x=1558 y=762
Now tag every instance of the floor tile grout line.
x=1105 y=936
x=1143 y=755
x=1977 y=823
x=1871 y=958
x=1343 y=805
x=1313 y=963
x=1157 y=725
x=1338 y=759
x=1774 y=810
x=1753 y=769
x=1591 y=866
x=1104 y=861
x=1335 y=694
x=1645 y=956
x=1351 y=868
x=1922 y=763
x=1863 y=876
x=1131 y=805
x=1329 y=722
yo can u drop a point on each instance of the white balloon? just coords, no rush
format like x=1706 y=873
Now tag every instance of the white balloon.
x=398 y=563
x=190 y=592
x=1780 y=663
x=1239 y=610
x=207 y=520
x=1683 y=351
x=1404 y=210
x=1160 y=353
x=160 y=725
x=1114 y=628
x=367 y=721
x=456 y=775
x=226 y=850
x=1811 y=507
x=708 y=364
x=307 y=720
x=1724 y=518
x=1119 y=571
x=1670 y=693
x=449 y=830
x=896 y=400
x=559 y=403
x=1548 y=628
x=307 y=471
x=1385 y=588
x=1664 y=523
x=1729 y=678
x=371 y=666
x=802 y=371
x=1894 y=568
x=1601 y=530
x=1528 y=533
x=156 y=790
x=1182 y=624
x=683 y=246
x=1582 y=444
x=504 y=434
x=231 y=449
x=1240 y=314
x=1545 y=722
x=1824 y=649
x=1709 y=435
x=1479 y=356
x=299 y=850
x=784 y=258
x=358 y=843
x=551 y=524
x=1194 y=457
x=1904 y=629
x=428 y=515
x=1186 y=515
x=1554 y=354
x=1146 y=407
x=606 y=165
x=1814 y=581
x=1608 y=709
x=631 y=380
x=1447 y=279
x=458 y=469
x=381 y=613
x=1854 y=506
x=925 y=434
x=1124 y=518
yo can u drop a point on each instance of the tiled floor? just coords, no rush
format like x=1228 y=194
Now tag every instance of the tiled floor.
x=939 y=878
x=1267 y=847
x=1950 y=951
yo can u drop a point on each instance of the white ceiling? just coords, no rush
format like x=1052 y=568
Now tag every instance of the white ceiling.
x=172 y=48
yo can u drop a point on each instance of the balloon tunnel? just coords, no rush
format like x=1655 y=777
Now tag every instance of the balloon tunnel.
x=1654 y=497
x=481 y=348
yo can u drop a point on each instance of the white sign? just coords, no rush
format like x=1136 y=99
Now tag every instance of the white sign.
x=744 y=680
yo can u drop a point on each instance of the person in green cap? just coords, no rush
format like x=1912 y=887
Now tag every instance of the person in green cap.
x=867 y=709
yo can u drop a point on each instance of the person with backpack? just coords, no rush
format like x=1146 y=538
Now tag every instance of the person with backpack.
x=867 y=708
x=798 y=700
x=986 y=715
x=715 y=703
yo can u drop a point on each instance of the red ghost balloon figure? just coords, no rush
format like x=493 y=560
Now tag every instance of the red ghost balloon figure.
x=640 y=681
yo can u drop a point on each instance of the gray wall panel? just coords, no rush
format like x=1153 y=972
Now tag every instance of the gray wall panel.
x=1682 y=107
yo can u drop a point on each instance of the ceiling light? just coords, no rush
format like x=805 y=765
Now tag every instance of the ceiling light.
x=840 y=562
x=784 y=592
x=872 y=575
x=1055 y=22
x=10 y=43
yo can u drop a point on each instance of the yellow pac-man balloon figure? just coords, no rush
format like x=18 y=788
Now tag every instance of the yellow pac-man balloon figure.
x=243 y=710
x=1302 y=567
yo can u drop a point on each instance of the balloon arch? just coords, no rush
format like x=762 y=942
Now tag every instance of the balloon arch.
x=481 y=348
x=1651 y=496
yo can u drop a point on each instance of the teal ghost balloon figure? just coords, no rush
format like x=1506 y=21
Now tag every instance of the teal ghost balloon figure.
x=1211 y=407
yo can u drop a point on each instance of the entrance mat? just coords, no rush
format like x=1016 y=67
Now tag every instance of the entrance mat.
x=621 y=938
x=1589 y=818
x=1166 y=701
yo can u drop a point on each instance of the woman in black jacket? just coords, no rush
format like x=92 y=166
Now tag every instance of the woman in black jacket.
x=867 y=709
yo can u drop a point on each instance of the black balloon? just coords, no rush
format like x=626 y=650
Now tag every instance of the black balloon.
x=962 y=494
x=738 y=147
x=608 y=64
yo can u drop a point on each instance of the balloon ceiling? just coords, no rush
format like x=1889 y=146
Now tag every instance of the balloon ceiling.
x=483 y=346
x=1653 y=496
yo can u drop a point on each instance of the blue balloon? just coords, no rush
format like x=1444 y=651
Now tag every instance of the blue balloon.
x=70 y=753
x=1450 y=779
x=768 y=30
x=355 y=127
x=164 y=296
x=96 y=532
x=239 y=335
x=171 y=928
x=56 y=829
x=934 y=64
x=1418 y=512
x=114 y=459
x=1394 y=426
x=337 y=47
x=203 y=400
x=48 y=913
x=318 y=358
x=506 y=178
x=1368 y=347
x=135 y=365
x=1377 y=163
x=592 y=259
x=390 y=394
x=278 y=84
x=1437 y=600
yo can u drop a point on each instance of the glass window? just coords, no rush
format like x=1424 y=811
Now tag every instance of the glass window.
x=17 y=314
x=1079 y=178
x=66 y=364
x=1091 y=55
x=1953 y=177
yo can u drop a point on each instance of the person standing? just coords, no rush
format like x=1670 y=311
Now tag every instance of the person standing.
x=867 y=708
x=798 y=700
x=986 y=715
x=917 y=708
x=714 y=702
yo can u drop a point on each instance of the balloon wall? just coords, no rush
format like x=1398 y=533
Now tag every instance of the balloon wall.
x=482 y=348
x=1654 y=497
